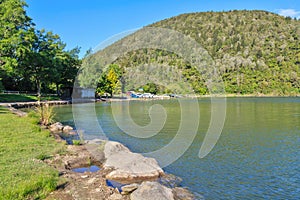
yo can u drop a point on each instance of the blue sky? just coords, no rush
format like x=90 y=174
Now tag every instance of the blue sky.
x=87 y=23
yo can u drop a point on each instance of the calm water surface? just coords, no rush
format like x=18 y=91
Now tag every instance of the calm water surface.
x=256 y=157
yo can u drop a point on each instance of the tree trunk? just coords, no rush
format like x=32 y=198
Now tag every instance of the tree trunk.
x=38 y=85
x=57 y=90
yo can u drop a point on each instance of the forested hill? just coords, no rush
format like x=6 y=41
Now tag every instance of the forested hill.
x=256 y=52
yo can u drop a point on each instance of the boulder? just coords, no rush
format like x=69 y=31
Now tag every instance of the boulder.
x=112 y=148
x=56 y=127
x=96 y=151
x=128 y=167
x=67 y=129
x=152 y=190
x=127 y=189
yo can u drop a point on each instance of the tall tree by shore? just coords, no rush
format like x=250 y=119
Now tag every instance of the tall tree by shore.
x=32 y=59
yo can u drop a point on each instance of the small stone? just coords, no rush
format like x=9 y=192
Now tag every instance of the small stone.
x=91 y=181
x=117 y=191
x=84 y=176
x=182 y=193
x=115 y=196
x=127 y=189
x=95 y=141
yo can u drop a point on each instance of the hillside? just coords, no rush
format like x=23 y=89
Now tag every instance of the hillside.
x=256 y=52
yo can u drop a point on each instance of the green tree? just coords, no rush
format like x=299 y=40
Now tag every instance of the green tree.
x=151 y=88
x=31 y=58
x=110 y=81
x=67 y=64
x=39 y=63
x=14 y=25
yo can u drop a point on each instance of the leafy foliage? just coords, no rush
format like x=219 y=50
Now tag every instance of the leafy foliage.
x=32 y=59
x=150 y=88
x=109 y=82
x=14 y=24
x=256 y=52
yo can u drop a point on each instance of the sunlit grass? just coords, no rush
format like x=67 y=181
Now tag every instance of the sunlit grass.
x=23 y=144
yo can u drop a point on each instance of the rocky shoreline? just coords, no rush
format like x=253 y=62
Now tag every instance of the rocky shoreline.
x=123 y=175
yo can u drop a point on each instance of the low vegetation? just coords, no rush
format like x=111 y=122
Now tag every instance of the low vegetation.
x=23 y=146
x=46 y=114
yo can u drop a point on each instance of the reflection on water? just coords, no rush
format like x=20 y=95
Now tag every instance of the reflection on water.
x=257 y=156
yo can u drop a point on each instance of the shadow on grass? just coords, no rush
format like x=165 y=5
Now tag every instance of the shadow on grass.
x=16 y=98
x=7 y=98
x=3 y=110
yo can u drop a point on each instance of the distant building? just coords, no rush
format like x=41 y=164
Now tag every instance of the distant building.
x=83 y=94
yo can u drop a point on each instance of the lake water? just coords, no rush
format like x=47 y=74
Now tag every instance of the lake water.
x=256 y=157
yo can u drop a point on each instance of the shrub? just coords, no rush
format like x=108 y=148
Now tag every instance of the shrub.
x=76 y=142
x=46 y=114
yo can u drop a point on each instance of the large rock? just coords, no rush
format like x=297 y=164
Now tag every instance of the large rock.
x=152 y=190
x=128 y=167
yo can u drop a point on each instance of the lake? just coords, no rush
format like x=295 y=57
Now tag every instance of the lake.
x=256 y=157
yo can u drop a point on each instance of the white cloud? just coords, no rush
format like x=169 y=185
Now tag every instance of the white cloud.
x=289 y=12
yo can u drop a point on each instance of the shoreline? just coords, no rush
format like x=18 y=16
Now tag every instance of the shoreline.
x=120 y=169
x=19 y=105
x=201 y=96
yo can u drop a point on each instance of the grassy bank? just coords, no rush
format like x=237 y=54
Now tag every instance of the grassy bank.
x=5 y=98
x=23 y=145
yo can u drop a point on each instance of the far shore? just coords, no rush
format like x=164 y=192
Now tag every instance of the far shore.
x=21 y=104
x=119 y=98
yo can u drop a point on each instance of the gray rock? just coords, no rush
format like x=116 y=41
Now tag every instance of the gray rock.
x=170 y=180
x=95 y=141
x=96 y=151
x=152 y=190
x=115 y=196
x=127 y=189
x=67 y=129
x=182 y=194
x=56 y=127
x=112 y=148
x=129 y=167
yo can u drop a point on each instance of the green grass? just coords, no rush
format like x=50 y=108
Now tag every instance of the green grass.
x=23 y=146
x=24 y=98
